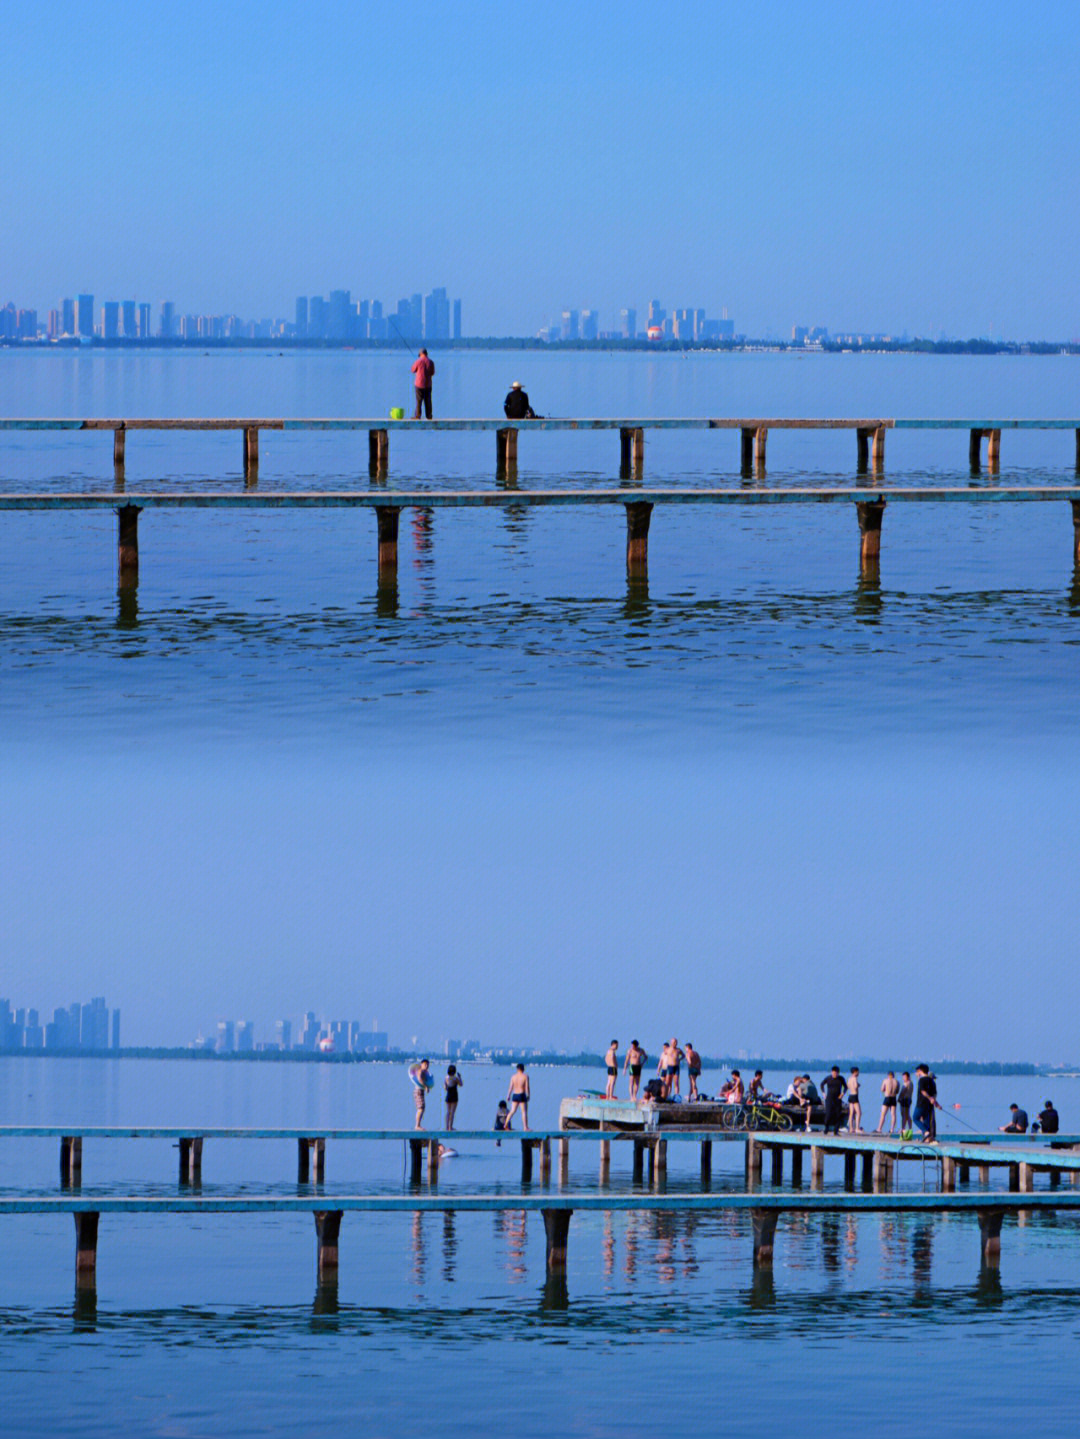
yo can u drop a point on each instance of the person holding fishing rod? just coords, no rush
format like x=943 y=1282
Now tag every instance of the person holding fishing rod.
x=423 y=368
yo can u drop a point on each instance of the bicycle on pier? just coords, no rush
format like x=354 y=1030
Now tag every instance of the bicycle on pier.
x=756 y=1115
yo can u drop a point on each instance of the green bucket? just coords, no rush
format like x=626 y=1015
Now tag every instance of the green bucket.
x=397 y=413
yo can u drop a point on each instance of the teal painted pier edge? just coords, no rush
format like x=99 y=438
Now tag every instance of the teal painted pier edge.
x=329 y=1210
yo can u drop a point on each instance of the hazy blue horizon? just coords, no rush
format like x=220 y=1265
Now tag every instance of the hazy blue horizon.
x=867 y=170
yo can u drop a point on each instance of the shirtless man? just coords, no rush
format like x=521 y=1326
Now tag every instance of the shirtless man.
x=854 y=1121
x=635 y=1058
x=693 y=1067
x=611 y=1059
x=890 y=1088
x=663 y=1069
x=675 y=1056
x=518 y=1095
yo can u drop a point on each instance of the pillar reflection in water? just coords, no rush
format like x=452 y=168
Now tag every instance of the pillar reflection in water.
x=450 y=1245
x=386 y=598
x=325 y=1302
x=84 y=1309
x=922 y=1254
x=419 y=1250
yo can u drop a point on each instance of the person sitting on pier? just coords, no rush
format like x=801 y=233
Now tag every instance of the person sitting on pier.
x=611 y=1059
x=757 y=1090
x=516 y=405
x=635 y=1059
x=1018 y=1123
x=502 y=1120
x=1047 y=1119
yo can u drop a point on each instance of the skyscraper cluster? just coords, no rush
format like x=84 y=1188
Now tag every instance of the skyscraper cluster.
x=79 y=1027
x=337 y=1036
x=420 y=317
x=685 y=325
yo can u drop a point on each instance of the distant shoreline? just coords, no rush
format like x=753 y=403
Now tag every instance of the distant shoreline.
x=507 y=1058
x=517 y=342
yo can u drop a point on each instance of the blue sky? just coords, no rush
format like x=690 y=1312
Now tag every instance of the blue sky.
x=885 y=167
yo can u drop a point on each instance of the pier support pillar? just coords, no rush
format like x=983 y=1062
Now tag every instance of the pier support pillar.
x=631 y=451
x=755 y=1157
x=71 y=1161
x=378 y=452
x=862 y=463
x=796 y=1167
x=817 y=1166
x=388 y=517
x=638 y=516
x=327 y=1229
x=118 y=448
x=1076 y=524
x=191 y=1160
x=868 y=1170
x=661 y=1159
x=777 y=1164
x=877 y=454
x=993 y=450
x=557 y=1233
x=1055 y=1179
x=984 y=1174
x=990 y=1236
x=545 y=1161
x=416 y=1160
x=639 y=1161
x=526 y=1160
x=880 y=1175
x=1026 y=1179
x=948 y=1174
x=868 y=436
x=1078 y=452
x=963 y=1173
x=86 y=1237
x=1014 y=1177
x=308 y=1149
x=564 y=1161
x=605 y=1160
x=506 y=450
x=251 y=454
x=433 y=1161
x=706 y=1161
x=850 y=1158
x=127 y=553
x=870 y=513
x=975 y=449
x=764 y=1222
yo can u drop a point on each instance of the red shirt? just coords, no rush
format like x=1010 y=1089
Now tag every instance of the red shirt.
x=423 y=369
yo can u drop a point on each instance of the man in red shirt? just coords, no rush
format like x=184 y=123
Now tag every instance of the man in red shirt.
x=423 y=369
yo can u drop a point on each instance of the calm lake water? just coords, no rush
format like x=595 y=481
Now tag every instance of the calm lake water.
x=772 y=752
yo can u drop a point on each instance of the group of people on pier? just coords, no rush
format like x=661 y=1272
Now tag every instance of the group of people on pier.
x=423 y=1081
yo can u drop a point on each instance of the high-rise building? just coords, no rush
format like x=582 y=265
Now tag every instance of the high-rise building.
x=317 y=318
x=363 y=316
x=590 y=324
x=284 y=1033
x=338 y=315
x=657 y=313
x=84 y=317
x=226 y=1037
x=110 y=320
x=67 y=317
x=457 y=319
x=628 y=324
x=129 y=325
x=245 y=1037
x=571 y=325
x=167 y=323
x=301 y=317
x=437 y=316
x=116 y=1012
x=377 y=326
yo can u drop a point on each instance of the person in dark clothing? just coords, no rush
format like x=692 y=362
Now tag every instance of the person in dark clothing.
x=516 y=405
x=926 y=1102
x=832 y=1087
x=1018 y=1121
x=1047 y=1119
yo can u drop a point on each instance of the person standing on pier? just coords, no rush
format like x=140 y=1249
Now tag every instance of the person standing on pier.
x=854 y=1109
x=518 y=1095
x=905 y=1095
x=635 y=1059
x=890 y=1088
x=451 y=1084
x=926 y=1102
x=693 y=1068
x=832 y=1087
x=422 y=1082
x=611 y=1059
x=423 y=368
x=675 y=1057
